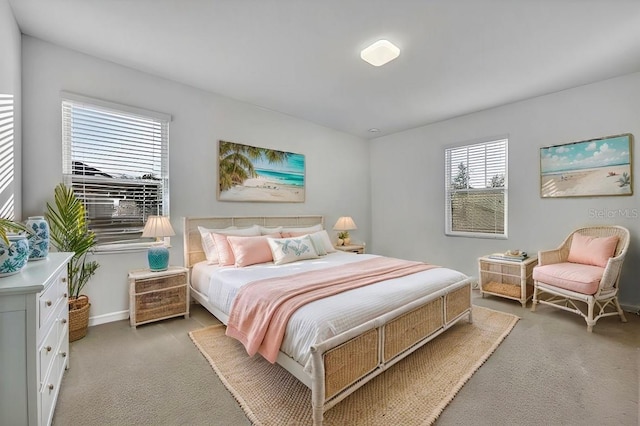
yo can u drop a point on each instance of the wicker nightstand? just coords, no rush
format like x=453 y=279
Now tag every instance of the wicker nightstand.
x=507 y=278
x=158 y=295
x=352 y=248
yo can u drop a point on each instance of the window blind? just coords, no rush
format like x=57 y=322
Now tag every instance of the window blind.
x=476 y=189
x=7 y=169
x=116 y=161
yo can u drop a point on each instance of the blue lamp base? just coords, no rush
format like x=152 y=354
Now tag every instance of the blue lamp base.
x=158 y=258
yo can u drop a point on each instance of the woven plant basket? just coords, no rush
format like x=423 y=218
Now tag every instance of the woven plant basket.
x=78 y=317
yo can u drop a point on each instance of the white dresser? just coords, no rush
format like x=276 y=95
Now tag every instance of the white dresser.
x=34 y=340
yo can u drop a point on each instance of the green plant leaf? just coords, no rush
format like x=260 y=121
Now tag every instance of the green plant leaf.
x=69 y=231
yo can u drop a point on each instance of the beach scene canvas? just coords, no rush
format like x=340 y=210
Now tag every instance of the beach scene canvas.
x=249 y=173
x=588 y=168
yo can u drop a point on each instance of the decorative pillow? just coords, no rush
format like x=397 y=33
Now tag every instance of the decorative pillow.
x=326 y=240
x=224 y=255
x=251 y=250
x=320 y=239
x=286 y=250
x=591 y=250
x=208 y=245
x=305 y=229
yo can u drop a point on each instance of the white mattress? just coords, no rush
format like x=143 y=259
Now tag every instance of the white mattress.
x=325 y=318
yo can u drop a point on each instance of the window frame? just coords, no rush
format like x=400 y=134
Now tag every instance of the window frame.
x=138 y=244
x=448 y=189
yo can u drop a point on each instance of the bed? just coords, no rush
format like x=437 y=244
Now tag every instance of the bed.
x=335 y=363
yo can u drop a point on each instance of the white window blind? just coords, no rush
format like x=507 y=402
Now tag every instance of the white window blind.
x=116 y=160
x=476 y=189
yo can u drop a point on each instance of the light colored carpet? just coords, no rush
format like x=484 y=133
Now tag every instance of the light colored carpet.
x=414 y=391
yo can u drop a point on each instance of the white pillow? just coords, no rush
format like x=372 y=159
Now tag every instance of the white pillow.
x=318 y=244
x=323 y=236
x=266 y=230
x=306 y=229
x=209 y=244
x=286 y=250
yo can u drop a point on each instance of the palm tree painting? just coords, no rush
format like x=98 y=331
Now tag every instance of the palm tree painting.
x=249 y=173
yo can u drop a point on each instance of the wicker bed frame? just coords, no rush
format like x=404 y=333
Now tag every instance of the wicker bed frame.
x=347 y=361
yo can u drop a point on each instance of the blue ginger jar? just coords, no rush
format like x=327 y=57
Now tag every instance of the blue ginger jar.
x=13 y=257
x=39 y=238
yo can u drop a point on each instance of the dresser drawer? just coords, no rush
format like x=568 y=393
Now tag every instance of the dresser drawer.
x=50 y=297
x=50 y=389
x=47 y=351
x=57 y=336
x=50 y=385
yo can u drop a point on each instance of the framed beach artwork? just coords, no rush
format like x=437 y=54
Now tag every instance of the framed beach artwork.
x=590 y=168
x=249 y=173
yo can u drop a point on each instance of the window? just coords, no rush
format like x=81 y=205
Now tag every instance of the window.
x=476 y=189
x=116 y=160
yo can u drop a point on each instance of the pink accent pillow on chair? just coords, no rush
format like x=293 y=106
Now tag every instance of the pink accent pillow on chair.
x=592 y=250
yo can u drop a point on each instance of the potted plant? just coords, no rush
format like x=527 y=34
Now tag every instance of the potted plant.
x=70 y=232
x=343 y=237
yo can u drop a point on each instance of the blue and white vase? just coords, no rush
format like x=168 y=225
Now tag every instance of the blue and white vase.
x=13 y=257
x=39 y=238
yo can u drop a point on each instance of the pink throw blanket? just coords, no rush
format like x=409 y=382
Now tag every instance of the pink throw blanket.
x=261 y=309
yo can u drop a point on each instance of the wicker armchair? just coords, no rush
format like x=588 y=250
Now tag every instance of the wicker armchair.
x=600 y=294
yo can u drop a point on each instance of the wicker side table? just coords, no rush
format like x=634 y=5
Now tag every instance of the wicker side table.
x=507 y=278
x=154 y=296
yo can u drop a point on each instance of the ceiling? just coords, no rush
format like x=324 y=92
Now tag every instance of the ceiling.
x=302 y=57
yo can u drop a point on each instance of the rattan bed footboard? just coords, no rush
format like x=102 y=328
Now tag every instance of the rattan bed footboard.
x=346 y=362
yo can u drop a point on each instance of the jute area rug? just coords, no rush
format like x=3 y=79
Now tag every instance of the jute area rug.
x=413 y=392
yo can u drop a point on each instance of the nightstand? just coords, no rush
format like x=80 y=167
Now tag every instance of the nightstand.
x=507 y=278
x=352 y=248
x=155 y=296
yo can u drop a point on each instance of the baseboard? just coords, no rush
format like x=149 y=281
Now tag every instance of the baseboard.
x=634 y=309
x=103 y=319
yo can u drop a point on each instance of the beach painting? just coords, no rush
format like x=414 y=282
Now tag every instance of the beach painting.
x=249 y=173
x=595 y=167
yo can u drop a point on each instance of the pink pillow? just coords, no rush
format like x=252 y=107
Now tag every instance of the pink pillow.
x=250 y=250
x=591 y=250
x=225 y=255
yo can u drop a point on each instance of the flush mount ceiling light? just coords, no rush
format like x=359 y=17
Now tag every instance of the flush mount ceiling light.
x=380 y=52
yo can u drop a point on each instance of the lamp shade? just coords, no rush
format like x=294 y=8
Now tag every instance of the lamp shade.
x=158 y=227
x=345 y=223
x=158 y=255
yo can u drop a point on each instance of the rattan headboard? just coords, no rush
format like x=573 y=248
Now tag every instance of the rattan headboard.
x=193 y=252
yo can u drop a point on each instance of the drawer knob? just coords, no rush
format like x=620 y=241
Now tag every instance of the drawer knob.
x=64 y=279
x=63 y=320
x=50 y=387
x=65 y=294
x=48 y=348
x=64 y=354
x=48 y=303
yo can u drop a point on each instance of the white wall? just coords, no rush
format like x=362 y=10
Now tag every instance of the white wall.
x=337 y=170
x=10 y=84
x=407 y=179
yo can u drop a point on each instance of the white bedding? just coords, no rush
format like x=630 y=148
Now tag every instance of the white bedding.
x=325 y=318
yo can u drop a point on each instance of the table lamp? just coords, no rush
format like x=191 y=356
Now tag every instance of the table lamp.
x=158 y=227
x=344 y=225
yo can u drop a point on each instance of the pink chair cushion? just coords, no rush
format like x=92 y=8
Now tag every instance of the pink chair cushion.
x=592 y=250
x=576 y=277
